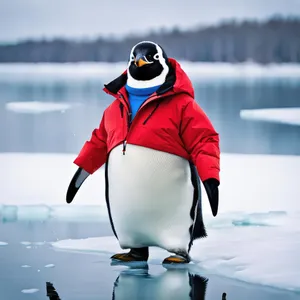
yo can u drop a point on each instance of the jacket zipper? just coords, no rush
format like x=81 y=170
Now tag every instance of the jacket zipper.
x=128 y=128
x=122 y=116
x=129 y=121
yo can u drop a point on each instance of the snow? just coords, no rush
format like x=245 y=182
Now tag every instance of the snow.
x=42 y=180
x=264 y=255
x=46 y=71
x=35 y=185
x=37 y=107
x=287 y=115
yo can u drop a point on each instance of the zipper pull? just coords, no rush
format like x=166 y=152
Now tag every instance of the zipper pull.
x=124 y=147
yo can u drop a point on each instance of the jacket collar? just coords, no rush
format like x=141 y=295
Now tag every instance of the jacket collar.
x=177 y=82
x=117 y=84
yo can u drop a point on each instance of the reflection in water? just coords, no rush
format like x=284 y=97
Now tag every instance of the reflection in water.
x=136 y=283
x=51 y=292
x=175 y=284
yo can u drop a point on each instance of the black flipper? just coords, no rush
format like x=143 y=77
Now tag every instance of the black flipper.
x=197 y=230
x=211 y=187
x=79 y=177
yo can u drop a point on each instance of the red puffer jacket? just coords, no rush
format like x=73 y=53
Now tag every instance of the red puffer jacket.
x=170 y=120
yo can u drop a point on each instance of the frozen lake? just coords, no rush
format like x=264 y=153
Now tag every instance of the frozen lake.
x=46 y=114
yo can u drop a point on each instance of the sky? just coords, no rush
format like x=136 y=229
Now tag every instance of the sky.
x=21 y=19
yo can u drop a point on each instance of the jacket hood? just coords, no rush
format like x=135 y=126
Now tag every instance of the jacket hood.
x=177 y=81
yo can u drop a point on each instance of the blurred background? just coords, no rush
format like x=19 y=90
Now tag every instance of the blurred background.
x=243 y=58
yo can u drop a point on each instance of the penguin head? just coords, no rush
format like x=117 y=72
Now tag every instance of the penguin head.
x=148 y=65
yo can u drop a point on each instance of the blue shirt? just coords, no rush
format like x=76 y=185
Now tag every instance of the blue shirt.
x=137 y=97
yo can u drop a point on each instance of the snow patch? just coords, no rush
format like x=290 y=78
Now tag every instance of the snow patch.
x=287 y=115
x=265 y=255
x=37 y=107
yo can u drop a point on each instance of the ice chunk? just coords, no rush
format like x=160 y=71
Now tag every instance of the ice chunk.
x=3 y=243
x=37 y=107
x=26 y=243
x=57 y=212
x=29 y=291
x=50 y=266
x=286 y=115
x=25 y=266
x=267 y=255
x=241 y=219
x=258 y=259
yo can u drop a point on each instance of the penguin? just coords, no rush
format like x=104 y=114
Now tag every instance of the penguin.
x=155 y=141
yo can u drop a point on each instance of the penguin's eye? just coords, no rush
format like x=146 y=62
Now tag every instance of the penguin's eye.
x=156 y=56
x=149 y=57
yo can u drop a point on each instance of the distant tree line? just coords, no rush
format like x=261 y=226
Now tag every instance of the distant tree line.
x=274 y=40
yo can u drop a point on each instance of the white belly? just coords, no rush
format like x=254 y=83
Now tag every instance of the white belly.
x=150 y=196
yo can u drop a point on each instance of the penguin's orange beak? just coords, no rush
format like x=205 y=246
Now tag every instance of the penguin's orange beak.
x=140 y=61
